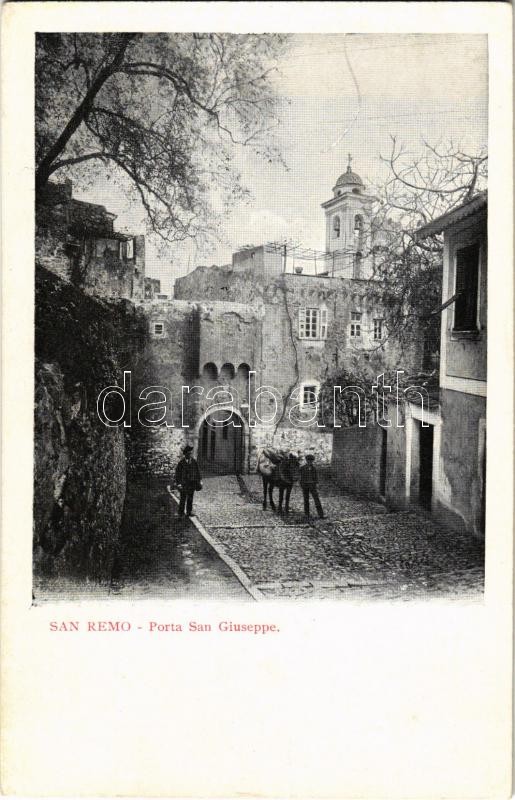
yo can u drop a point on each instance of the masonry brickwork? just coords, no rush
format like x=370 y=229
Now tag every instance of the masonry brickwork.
x=81 y=344
x=228 y=332
x=78 y=242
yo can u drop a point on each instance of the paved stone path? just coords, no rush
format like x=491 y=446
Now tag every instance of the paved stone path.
x=359 y=551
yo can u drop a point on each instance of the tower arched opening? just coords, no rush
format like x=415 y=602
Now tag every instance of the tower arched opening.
x=210 y=371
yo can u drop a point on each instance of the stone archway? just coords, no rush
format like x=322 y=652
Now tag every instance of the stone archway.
x=222 y=449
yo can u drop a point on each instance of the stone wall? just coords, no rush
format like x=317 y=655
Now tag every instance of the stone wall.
x=261 y=263
x=282 y=349
x=279 y=356
x=356 y=459
x=77 y=241
x=156 y=452
x=79 y=466
x=303 y=440
x=459 y=497
x=218 y=283
x=396 y=460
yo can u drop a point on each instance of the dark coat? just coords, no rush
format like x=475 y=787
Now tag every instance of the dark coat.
x=308 y=476
x=187 y=474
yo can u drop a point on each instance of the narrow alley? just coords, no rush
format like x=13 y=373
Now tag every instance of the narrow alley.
x=361 y=550
x=233 y=550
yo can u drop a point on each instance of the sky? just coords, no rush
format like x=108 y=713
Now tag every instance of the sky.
x=417 y=87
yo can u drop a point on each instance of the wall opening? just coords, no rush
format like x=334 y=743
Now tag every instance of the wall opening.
x=221 y=444
x=382 y=464
x=425 y=491
x=227 y=373
x=210 y=371
x=243 y=372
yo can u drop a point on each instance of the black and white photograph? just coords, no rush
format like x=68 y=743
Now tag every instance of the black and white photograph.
x=260 y=316
x=257 y=513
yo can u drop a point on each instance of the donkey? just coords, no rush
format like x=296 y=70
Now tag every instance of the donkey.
x=281 y=470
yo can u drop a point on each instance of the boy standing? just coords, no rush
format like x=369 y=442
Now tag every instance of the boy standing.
x=308 y=483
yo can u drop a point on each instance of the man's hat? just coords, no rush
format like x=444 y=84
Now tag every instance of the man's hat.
x=310 y=457
x=187 y=449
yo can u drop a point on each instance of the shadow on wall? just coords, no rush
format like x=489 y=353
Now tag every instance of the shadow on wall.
x=79 y=467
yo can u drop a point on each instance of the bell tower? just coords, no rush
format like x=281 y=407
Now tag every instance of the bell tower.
x=347 y=226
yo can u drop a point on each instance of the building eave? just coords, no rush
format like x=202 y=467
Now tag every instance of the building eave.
x=475 y=205
x=344 y=196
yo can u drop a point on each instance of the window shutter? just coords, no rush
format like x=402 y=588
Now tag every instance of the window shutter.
x=302 y=323
x=467 y=268
x=323 y=323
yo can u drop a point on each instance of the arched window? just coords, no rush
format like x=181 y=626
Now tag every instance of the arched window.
x=210 y=371
x=336 y=227
x=227 y=372
x=243 y=372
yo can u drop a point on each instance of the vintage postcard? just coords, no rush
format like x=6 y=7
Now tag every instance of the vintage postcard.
x=258 y=341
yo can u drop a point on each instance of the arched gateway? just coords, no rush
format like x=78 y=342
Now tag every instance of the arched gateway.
x=221 y=447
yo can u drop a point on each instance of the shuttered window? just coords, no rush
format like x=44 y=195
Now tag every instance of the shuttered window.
x=467 y=280
x=323 y=323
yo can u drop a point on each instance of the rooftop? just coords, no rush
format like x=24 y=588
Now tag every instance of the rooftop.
x=467 y=209
x=348 y=177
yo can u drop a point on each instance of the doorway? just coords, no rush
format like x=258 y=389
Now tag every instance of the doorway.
x=382 y=464
x=425 y=490
x=221 y=445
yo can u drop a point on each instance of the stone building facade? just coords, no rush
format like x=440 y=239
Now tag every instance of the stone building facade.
x=303 y=328
x=77 y=241
x=459 y=433
x=248 y=344
x=435 y=457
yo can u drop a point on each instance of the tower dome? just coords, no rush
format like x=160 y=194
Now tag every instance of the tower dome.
x=349 y=178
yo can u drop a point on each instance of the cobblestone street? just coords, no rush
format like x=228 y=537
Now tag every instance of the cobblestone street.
x=239 y=552
x=359 y=551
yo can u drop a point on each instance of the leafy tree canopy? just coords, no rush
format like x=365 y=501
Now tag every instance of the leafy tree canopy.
x=161 y=111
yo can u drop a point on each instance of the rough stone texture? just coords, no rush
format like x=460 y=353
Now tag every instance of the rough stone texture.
x=359 y=551
x=262 y=262
x=307 y=440
x=396 y=462
x=287 y=360
x=155 y=452
x=460 y=495
x=79 y=477
x=164 y=363
x=77 y=241
x=356 y=459
x=272 y=347
x=218 y=283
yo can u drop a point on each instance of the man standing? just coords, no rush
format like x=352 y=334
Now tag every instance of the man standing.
x=187 y=480
x=308 y=482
